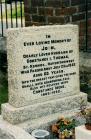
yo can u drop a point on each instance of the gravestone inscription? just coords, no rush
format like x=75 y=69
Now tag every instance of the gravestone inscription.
x=43 y=63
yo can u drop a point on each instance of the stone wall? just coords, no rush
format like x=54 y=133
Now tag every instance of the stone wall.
x=42 y=12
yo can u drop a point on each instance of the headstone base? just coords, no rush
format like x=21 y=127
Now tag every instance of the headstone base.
x=18 y=115
x=23 y=130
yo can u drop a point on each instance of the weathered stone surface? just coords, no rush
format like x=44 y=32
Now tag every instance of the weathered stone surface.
x=9 y=131
x=17 y=115
x=28 y=47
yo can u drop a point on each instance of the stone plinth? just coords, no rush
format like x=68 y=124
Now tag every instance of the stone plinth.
x=17 y=115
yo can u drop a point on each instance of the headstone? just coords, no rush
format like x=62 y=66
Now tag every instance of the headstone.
x=43 y=72
x=43 y=64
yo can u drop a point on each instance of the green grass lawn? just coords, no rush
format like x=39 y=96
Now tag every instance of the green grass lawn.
x=14 y=12
x=18 y=12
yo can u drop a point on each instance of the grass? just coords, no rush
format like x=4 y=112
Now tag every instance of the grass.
x=3 y=0
x=3 y=91
x=14 y=12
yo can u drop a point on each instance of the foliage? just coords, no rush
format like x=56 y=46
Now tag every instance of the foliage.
x=64 y=128
x=65 y=123
x=85 y=113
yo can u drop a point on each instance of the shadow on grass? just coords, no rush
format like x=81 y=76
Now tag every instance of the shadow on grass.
x=3 y=89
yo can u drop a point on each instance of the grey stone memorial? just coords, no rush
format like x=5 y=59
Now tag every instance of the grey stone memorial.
x=43 y=75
